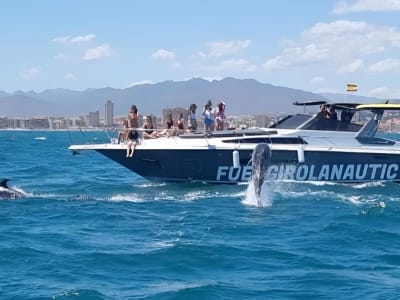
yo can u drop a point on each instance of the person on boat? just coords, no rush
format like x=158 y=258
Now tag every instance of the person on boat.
x=180 y=123
x=220 y=116
x=149 y=131
x=170 y=122
x=123 y=133
x=332 y=114
x=208 y=114
x=192 y=122
x=323 y=112
x=132 y=142
x=133 y=117
x=170 y=128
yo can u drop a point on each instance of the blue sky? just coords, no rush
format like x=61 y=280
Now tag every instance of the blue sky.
x=317 y=46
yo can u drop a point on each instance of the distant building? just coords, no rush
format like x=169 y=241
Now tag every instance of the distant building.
x=39 y=123
x=93 y=119
x=109 y=113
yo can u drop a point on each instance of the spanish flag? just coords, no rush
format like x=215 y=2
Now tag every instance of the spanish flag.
x=352 y=88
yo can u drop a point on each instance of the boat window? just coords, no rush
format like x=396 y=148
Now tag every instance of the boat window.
x=268 y=140
x=228 y=133
x=319 y=123
x=374 y=141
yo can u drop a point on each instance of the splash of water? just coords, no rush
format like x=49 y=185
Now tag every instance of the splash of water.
x=251 y=198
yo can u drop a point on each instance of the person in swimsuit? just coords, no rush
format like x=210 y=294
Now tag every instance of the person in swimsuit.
x=220 y=116
x=149 y=132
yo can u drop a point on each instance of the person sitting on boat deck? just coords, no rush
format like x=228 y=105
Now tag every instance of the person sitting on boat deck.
x=208 y=113
x=332 y=114
x=133 y=141
x=169 y=127
x=220 y=116
x=123 y=133
x=192 y=122
x=149 y=132
x=133 y=117
x=323 y=113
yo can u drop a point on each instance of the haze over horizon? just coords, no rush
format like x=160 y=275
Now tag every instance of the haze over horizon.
x=317 y=46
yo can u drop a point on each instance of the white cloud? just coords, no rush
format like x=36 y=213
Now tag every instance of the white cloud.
x=83 y=38
x=366 y=5
x=338 y=43
x=70 y=76
x=238 y=65
x=352 y=67
x=61 y=39
x=380 y=92
x=317 y=79
x=216 y=49
x=99 y=52
x=309 y=54
x=163 y=54
x=141 y=82
x=389 y=64
x=75 y=39
x=30 y=73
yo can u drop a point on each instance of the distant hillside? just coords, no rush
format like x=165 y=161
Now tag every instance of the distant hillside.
x=242 y=96
x=23 y=106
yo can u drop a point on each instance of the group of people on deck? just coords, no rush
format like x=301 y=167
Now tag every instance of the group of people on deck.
x=214 y=119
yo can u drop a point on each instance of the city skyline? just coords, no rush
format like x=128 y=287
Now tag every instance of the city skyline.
x=313 y=45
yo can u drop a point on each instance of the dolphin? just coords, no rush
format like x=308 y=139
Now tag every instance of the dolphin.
x=9 y=193
x=260 y=159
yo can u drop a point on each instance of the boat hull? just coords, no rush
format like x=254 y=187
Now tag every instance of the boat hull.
x=216 y=166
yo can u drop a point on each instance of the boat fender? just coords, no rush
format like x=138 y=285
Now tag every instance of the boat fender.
x=300 y=154
x=235 y=159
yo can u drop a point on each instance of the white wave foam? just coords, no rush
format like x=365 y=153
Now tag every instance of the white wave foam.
x=368 y=184
x=42 y=138
x=150 y=184
x=127 y=198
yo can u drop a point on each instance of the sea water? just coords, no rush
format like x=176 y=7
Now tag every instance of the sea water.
x=90 y=229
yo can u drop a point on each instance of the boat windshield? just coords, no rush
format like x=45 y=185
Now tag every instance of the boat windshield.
x=320 y=123
x=291 y=121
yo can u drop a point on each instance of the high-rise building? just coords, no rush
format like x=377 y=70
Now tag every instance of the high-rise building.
x=109 y=113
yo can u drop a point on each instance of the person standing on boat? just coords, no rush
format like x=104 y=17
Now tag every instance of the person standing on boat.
x=180 y=123
x=208 y=113
x=192 y=122
x=220 y=116
x=133 y=135
x=133 y=117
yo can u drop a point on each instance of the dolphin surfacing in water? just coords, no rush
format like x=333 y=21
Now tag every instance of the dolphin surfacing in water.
x=9 y=193
x=260 y=159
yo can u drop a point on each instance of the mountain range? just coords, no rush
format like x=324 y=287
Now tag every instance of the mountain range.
x=242 y=96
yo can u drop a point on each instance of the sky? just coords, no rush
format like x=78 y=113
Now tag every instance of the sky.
x=312 y=45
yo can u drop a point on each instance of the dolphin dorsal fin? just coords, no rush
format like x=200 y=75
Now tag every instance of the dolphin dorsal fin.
x=3 y=183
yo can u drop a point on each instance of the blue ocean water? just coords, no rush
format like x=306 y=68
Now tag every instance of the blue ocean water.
x=90 y=229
